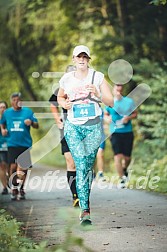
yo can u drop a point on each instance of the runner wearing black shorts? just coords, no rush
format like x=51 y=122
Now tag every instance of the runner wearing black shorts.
x=15 y=123
x=121 y=132
x=64 y=145
x=122 y=143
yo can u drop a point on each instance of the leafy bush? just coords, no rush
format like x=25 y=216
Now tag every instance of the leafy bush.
x=152 y=123
x=150 y=128
x=12 y=239
x=10 y=234
x=145 y=164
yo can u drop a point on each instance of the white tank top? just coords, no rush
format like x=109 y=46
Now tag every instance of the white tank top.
x=84 y=109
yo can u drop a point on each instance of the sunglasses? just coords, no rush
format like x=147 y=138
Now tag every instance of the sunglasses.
x=83 y=56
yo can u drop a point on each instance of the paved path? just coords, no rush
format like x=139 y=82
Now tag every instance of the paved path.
x=123 y=220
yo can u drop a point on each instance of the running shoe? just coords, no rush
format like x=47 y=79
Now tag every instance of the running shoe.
x=14 y=194
x=125 y=172
x=4 y=191
x=122 y=182
x=22 y=194
x=85 y=218
x=76 y=202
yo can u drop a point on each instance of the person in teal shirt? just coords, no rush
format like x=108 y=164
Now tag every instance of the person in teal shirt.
x=121 y=132
x=15 y=123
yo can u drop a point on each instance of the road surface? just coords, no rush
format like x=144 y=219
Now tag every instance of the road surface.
x=123 y=219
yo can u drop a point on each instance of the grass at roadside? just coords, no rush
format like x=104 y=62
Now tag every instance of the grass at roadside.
x=146 y=171
x=12 y=236
x=54 y=158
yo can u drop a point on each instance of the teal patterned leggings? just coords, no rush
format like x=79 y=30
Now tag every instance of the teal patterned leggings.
x=83 y=142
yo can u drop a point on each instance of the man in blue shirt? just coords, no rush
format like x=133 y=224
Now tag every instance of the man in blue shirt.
x=121 y=131
x=15 y=123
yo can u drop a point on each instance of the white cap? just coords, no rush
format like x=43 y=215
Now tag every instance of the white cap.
x=81 y=49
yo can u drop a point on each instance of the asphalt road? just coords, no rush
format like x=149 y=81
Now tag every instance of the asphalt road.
x=123 y=219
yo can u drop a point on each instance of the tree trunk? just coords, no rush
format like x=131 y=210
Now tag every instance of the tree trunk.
x=24 y=79
x=122 y=12
x=13 y=56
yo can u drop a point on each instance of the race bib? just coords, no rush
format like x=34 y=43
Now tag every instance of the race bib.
x=3 y=147
x=119 y=124
x=84 y=110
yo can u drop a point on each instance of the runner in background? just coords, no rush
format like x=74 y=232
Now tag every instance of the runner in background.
x=15 y=123
x=122 y=138
x=60 y=119
x=3 y=154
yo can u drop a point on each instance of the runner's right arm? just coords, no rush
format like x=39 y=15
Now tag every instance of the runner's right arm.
x=63 y=100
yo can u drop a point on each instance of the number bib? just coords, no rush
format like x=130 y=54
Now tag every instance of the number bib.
x=119 y=124
x=84 y=110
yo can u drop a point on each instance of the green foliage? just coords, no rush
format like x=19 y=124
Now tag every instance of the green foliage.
x=39 y=36
x=150 y=127
x=152 y=123
x=12 y=239
x=158 y=2
x=22 y=42
x=54 y=158
x=143 y=165
x=10 y=234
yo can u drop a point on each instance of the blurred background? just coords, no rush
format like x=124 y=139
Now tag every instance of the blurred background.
x=38 y=36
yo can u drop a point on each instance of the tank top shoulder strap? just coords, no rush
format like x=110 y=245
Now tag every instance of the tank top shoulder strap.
x=93 y=77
